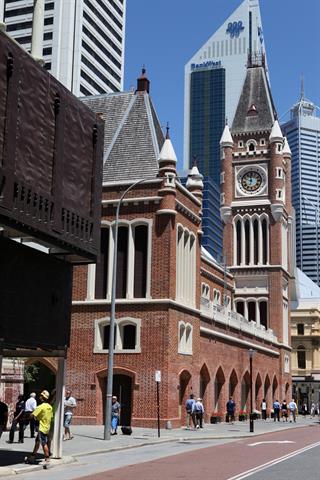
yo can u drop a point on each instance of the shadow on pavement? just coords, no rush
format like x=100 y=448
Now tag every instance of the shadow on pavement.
x=11 y=457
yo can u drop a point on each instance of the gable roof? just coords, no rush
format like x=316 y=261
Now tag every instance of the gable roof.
x=133 y=135
x=255 y=111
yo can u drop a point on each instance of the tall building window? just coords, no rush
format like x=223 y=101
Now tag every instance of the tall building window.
x=133 y=262
x=122 y=261
x=102 y=265
x=263 y=307
x=140 y=260
x=300 y=329
x=186 y=266
x=301 y=355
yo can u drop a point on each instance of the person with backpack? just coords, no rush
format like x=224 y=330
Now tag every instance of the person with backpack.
x=189 y=407
x=198 y=411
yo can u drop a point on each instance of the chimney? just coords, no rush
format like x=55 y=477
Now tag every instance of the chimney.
x=37 y=30
x=143 y=84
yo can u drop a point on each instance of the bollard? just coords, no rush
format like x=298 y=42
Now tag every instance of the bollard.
x=168 y=425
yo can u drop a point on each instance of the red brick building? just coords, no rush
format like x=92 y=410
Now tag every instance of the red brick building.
x=177 y=309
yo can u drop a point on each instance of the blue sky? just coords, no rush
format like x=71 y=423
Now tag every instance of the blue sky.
x=164 y=34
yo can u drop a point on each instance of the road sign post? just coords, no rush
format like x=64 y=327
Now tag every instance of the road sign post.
x=158 y=380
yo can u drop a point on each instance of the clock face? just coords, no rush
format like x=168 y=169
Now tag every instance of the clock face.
x=251 y=181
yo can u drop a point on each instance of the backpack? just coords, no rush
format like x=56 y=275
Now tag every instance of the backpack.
x=189 y=404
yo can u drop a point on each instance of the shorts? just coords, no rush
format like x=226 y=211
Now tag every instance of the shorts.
x=42 y=438
x=67 y=420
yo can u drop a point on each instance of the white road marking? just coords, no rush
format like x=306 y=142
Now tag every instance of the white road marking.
x=264 y=466
x=270 y=441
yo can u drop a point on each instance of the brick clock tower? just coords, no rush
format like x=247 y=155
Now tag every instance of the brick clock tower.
x=257 y=213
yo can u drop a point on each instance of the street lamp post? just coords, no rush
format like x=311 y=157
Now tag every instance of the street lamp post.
x=108 y=406
x=251 y=353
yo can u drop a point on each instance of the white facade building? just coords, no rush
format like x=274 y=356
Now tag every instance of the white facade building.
x=227 y=48
x=303 y=134
x=83 y=40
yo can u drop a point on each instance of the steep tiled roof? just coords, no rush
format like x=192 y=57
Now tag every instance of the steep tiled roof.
x=255 y=111
x=133 y=136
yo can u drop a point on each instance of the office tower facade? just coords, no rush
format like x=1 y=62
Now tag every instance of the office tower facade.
x=83 y=40
x=214 y=78
x=303 y=133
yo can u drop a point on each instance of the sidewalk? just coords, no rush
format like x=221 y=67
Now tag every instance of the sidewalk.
x=88 y=440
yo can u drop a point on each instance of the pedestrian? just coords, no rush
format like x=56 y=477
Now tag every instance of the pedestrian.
x=231 y=406
x=264 y=409
x=43 y=413
x=190 y=416
x=18 y=419
x=69 y=405
x=293 y=410
x=31 y=405
x=115 y=414
x=3 y=417
x=304 y=409
x=312 y=410
x=198 y=411
x=276 y=410
x=284 y=411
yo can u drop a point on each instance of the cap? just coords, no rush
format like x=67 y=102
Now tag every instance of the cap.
x=114 y=397
x=45 y=394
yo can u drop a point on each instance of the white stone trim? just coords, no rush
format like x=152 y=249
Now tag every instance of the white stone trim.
x=145 y=200
x=91 y=281
x=238 y=341
x=166 y=211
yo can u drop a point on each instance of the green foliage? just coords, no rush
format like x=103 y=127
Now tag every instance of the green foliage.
x=31 y=373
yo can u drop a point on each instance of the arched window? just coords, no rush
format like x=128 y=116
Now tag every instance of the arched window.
x=186 y=266
x=251 y=147
x=247 y=241
x=252 y=311
x=264 y=241
x=122 y=262
x=126 y=335
x=102 y=265
x=238 y=241
x=240 y=307
x=255 y=242
x=185 y=338
x=140 y=260
x=263 y=306
x=301 y=354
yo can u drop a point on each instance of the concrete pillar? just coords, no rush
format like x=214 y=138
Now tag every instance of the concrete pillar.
x=2 y=24
x=58 y=416
x=37 y=30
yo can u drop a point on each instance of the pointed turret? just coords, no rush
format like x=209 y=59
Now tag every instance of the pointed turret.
x=167 y=153
x=195 y=182
x=167 y=169
x=276 y=133
x=286 y=148
x=226 y=138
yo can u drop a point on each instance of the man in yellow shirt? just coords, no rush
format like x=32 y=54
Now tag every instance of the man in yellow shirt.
x=43 y=413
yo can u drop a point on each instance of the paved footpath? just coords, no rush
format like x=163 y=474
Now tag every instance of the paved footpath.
x=88 y=441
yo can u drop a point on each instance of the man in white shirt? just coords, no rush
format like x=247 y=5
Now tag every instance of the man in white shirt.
x=69 y=405
x=293 y=410
x=31 y=405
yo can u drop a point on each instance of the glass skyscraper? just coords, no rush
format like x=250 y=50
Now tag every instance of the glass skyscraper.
x=214 y=78
x=303 y=134
x=207 y=119
x=83 y=40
